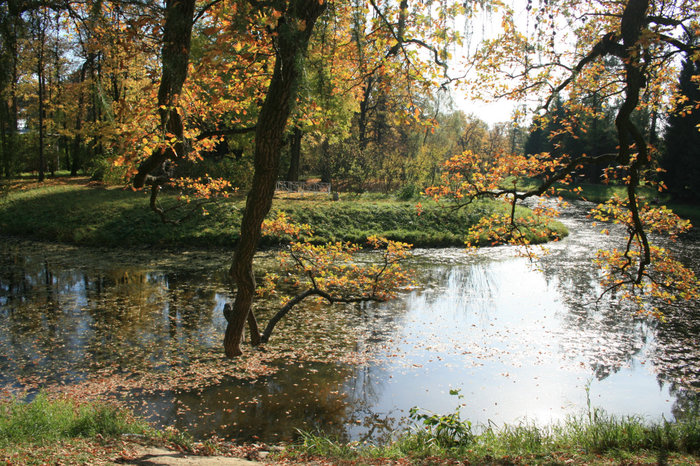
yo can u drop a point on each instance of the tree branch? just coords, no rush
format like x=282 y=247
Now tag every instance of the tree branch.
x=225 y=132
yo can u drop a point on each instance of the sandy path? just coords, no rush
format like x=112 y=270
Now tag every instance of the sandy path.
x=161 y=456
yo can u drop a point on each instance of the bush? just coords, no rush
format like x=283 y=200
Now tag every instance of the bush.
x=409 y=192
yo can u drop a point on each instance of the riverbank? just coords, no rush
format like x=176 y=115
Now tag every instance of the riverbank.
x=65 y=431
x=95 y=215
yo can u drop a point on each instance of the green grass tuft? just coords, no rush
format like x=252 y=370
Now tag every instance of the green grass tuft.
x=44 y=420
x=595 y=439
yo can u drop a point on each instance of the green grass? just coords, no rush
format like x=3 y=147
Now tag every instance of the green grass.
x=581 y=440
x=44 y=420
x=599 y=193
x=60 y=430
x=101 y=216
x=64 y=431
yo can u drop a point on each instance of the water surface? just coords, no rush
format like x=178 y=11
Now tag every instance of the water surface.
x=520 y=342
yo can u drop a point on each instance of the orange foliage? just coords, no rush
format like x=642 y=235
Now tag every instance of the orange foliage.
x=335 y=268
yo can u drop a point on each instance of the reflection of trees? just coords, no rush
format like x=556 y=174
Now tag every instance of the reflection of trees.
x=602 y=333
x=677 y=354
x=364 y=388
x=62 y=319
x=686 y=403
x=190 y=305
x=36 y=333
x=305 y=396
x=142 y=318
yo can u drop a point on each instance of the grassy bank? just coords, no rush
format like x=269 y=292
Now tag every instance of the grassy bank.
x=99 y=216
x=600 y=439
x=50 y=430
x=64 y=431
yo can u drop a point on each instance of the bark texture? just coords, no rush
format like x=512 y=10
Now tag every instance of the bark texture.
x=175 y=56
x=293 y=31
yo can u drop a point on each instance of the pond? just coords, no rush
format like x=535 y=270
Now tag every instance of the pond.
x=521 y=342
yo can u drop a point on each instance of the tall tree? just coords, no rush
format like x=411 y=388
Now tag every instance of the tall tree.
x=291 y=26
x=10 y=27
x=642 y=36
x=175 y=53
x=293 y=30
x=39 y=25
x=682 y=157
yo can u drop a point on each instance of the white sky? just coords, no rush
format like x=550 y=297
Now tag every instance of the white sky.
x=490 y=112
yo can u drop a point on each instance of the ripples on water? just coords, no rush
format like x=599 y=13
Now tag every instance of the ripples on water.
x=520 y=341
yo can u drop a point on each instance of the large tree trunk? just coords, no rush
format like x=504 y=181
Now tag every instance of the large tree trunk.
x=293 y=31
x=175 y=55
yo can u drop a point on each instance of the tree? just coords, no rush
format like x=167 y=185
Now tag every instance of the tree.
x=682 y=155
x=642 y=38
x=331 y=272
x=281 y=34
x=568 y=130
x=249 y=70
x=291 y=25
x=10 y=29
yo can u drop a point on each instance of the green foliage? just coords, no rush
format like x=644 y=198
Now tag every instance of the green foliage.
x=45 y=420
x=408 y=192
x=601 y=439
x=445 y=430
x=682 y=139
x=102 y=169
x=573 y=132
x=120 y=217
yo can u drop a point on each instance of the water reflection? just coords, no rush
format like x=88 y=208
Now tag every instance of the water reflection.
x=62 y=321
x=520 y=342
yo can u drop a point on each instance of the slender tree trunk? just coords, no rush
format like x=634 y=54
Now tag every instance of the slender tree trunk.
x=295 y=155
x=4 y=123
x=77 y=138
x=632 y=24
x=326 y=169
x=293 y=31
x=363 y=117
x=11 y=129
x=40 y=75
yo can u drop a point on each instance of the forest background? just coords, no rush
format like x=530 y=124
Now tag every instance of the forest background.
x=79 y=81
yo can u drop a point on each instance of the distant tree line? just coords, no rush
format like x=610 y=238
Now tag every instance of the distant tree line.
x=587 y=126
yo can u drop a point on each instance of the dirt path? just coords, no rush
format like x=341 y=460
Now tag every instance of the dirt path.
x=163 y=457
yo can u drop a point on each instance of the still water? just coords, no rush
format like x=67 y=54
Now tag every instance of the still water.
x=520 y=341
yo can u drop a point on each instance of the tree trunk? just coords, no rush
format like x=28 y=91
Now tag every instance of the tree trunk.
x=632 y=24
x=295 y=155
x=175 y=56
x=326 y=168
x=363 y=116
x=294 y=28
x=77 y=138
x=10 y=41
x=40 y=77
